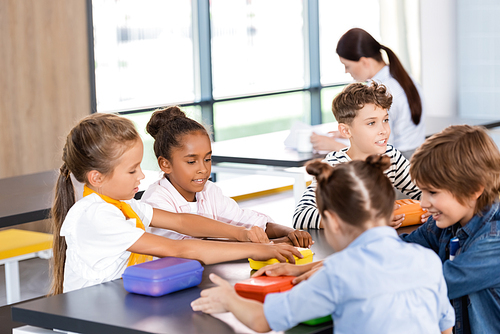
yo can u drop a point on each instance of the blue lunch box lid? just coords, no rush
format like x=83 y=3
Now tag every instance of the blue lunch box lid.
x=163 y=268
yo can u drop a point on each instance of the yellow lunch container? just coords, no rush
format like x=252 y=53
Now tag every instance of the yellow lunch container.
x=306 y=252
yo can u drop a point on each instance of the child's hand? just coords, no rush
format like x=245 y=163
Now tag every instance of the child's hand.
x=300 y=238
x=307 y=274
x=316 y=266
x=215 y=300
x=325 y=143
x=397 y=220
x=425 y=216
x=279 y=269
x=281 y=252
x=255 y=234
x=286 y=269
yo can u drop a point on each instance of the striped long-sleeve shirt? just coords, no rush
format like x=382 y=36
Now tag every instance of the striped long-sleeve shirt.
x=306 y=213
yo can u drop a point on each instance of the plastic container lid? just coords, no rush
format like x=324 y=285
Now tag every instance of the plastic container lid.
x=412 y=210
x=257 y=288
x=162 y=269
x=266 y=284
x=162 y=276
x=306 y=252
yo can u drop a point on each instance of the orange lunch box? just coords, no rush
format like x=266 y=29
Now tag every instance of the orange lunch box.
x=412 y=210
x=257 y=288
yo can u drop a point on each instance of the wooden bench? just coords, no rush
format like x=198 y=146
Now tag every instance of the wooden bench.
x=17 y=245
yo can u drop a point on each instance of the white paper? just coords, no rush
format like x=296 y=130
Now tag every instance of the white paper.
x=297 y=130
x=237 y=325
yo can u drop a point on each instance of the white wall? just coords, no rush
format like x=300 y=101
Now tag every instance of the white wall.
x=478 y=39
x=439 y=56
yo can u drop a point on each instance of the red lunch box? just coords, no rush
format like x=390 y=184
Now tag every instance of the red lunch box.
x=257 y=288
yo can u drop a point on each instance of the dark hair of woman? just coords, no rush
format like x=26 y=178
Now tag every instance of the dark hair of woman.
x=357 y=43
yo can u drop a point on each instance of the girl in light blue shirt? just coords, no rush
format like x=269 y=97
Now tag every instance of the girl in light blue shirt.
x=374 y=283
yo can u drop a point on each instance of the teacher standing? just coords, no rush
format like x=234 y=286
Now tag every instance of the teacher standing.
x=361 y=55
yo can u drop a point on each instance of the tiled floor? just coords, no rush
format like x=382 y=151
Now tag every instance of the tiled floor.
x=34 y=273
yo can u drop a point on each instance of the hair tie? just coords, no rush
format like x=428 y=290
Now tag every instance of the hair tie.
x=64 y=170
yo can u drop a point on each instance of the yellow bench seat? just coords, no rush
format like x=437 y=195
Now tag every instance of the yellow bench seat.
x=17 y=245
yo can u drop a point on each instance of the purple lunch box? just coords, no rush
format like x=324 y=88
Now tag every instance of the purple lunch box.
x=162 y=276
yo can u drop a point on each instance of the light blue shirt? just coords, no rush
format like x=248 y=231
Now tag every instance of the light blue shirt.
x=378 y=284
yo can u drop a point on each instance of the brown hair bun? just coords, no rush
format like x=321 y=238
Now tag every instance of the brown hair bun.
x=319 y=169
x=381 y=162
x=161 y=118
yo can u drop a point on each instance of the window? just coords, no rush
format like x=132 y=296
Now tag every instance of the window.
x=335 y=18
x=257 y=46
x=143 y=53
x=243 y=67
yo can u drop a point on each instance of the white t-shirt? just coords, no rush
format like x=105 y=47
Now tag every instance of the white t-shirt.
x=210 y=202
x=97 y=237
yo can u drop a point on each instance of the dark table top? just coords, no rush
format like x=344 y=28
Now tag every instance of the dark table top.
x=108 y=308
x=26 y=198
x=269 y=149
x=434 y=124
x=266 y=149
x=29 y=198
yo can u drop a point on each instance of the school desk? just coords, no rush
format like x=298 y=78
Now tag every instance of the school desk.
x=266 y=154
x=28 y=198
x=108 y=308
x=434 y=124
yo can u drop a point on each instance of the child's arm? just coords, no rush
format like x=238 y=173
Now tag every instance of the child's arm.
x=199 y=226
x=427 y=235
x=476 y=268
x=306 y=214
x=280 y=233
x=401 y=179
x=327 y=143
x=303 y=271
x=224 y=298
x=209 y=252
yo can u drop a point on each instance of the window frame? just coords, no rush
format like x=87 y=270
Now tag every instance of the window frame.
x=203 y=71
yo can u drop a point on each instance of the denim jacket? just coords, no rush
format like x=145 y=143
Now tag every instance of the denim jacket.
x=475 y=270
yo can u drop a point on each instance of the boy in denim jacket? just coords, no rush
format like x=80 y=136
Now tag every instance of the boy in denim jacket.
x=458 y=171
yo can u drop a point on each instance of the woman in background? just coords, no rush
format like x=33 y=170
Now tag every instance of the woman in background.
x=362 y=57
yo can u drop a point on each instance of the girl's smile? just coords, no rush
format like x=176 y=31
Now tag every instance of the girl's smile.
x=190 y=165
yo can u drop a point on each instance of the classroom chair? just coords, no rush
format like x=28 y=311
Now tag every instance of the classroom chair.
x=17 y=245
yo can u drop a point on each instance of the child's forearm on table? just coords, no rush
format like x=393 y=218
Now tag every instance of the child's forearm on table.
x=196 y=226
x=250 y=313
x=274 y=230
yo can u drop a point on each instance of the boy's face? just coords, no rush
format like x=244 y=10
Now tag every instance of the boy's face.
x=445 y=208
x=368 y=132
